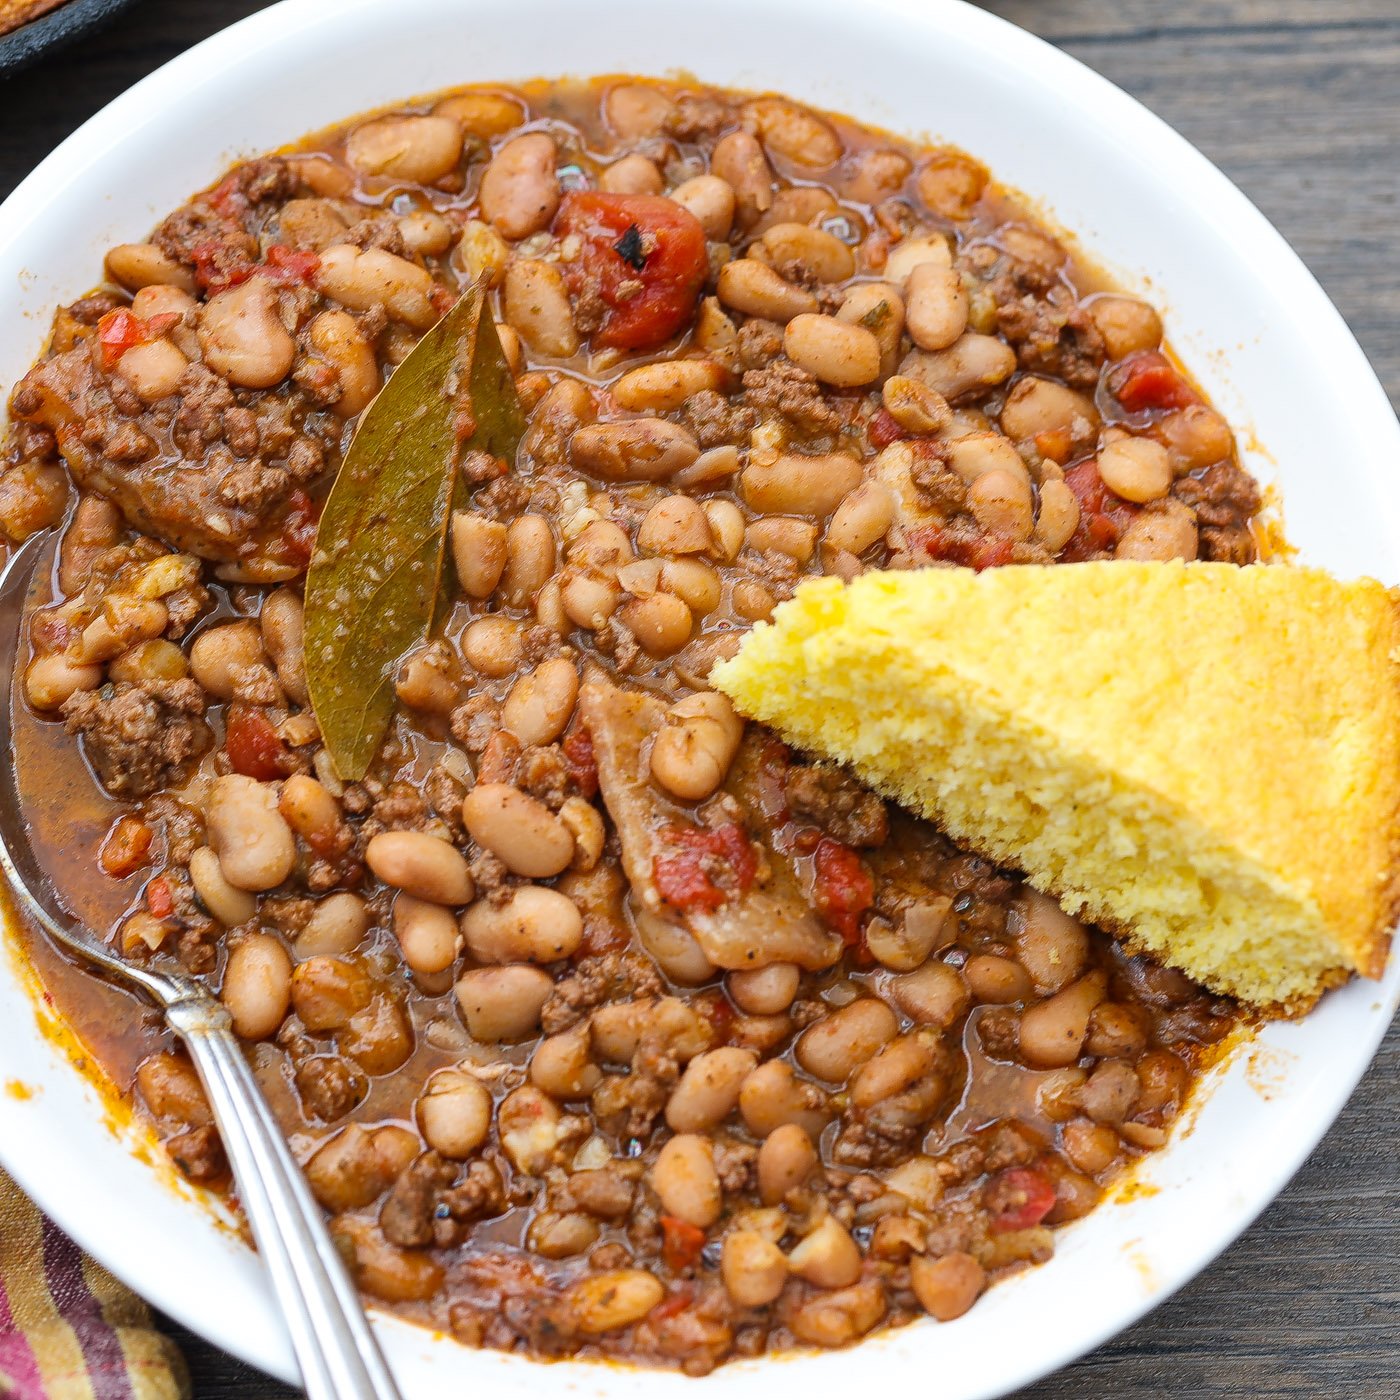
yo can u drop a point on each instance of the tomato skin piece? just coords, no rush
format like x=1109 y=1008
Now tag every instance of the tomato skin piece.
x=649 y=289
x=122 y=330
x=681 y=1243
x=843 y=889
x=683 y=875
x=1023 y=1198
x=254 y=747
x=882 y=429
x=1103 y=516
x=1148 y=380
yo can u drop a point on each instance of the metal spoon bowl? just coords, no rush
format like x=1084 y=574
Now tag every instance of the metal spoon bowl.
x=334 y=1345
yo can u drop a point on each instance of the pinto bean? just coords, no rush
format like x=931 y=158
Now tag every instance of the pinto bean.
x=454 y=1113
x=503 y=1003
x=708 y=1091
x=518 y=829
x=365 y=278
x=793 y=485
x=753 y=1268
x=661 y=623
x=613 y=1299
x=971 y=365
x=785 y=1161
x=910 y=253
x=492 y=645
x=1050 y=945
x=1058 y=516
x=541 y=703
x=948 y=1286
x=520 y=189
x=417 y=148
x=636 y=449
x=712 y=202
x=879 y=308
x=283 y=627
x=137 y=265
x=536 y=304
x=562 y=1066
x=336 y=337
x=753 y=287
x=996 y=980
x=935 y=306
x=153 y=370
x=1000 y=502
x=386 y=1270
x=819 y=255
x=672 y=947
x=242 y=338
x=827 y=1256
x=50 y=680
x=257 y=986
x=833 y=1047
x=632 y=174
x=836 y=1318
x=932 y=995
x=1159 y=535
x=793 y=132
x=428 y=934
x=1135 y=468
x=171 y=1088
x=739 y=161
x=422 y=865
x=426 y=232
x=328 y=992
x=1039 y=408
x=690 y=756
x=1052 y=1032
x=914 y=406
x=666 y=385
x=227 y=903
x=863 y=516
x=833 y=350
x=772 y=1096
x=482 y=113
x=1126 y=324
x=765 y=991
x=338 y=924
x=685 y=1179
x=254 y=844
x=350 y=1169
x=675 y=525
x=893 y=1069
x=534 y=924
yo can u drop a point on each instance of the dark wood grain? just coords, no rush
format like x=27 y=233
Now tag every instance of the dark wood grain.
x=1299 y=102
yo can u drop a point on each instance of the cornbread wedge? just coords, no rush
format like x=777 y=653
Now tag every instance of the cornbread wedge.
x=1202 y=757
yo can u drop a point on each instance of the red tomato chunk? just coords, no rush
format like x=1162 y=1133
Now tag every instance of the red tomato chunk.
x=1019 y=1199
x=254 y=748
x=844 y=889
x=686 y=879
x=1147 y=380
x=642 y=255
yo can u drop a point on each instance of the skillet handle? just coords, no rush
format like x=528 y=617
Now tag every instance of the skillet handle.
x=335 y=1348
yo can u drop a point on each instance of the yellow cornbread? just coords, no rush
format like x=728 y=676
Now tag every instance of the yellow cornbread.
x=1203 y=757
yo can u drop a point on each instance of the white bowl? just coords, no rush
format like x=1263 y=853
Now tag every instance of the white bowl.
x=1249 y=320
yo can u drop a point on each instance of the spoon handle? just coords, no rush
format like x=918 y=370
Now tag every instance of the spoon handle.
x=335 y=1348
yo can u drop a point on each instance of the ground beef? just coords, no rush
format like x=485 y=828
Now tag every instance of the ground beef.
x=402 y=808
x=205 y=398
x=88 y=311
x=1059 y=341
x=736 y=1162
x=475 y=721
x=935 y=481
x=504 y=499
x=1224 y=498
x=329 y=1086
x=786 y=389
x=606 y=977
x=198 y=1153
x=760 y=342
x=715 y=421
x=480 y=1194
x=696 y=118
x=377 y=231
x=836 y=802
x=266 y=178
x=406 y=1217
x=139 y=735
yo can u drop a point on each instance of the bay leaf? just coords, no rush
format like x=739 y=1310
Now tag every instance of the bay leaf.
x=374 y=585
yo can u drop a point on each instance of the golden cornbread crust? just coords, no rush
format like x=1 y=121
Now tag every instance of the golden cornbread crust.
x=1202 y=757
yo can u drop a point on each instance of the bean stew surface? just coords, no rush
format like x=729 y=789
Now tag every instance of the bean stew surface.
x=603 y=1023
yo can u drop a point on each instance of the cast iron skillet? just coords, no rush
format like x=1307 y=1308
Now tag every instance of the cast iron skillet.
x=51 y=31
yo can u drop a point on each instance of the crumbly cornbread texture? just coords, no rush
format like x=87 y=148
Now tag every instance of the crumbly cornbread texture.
x=1203 y=757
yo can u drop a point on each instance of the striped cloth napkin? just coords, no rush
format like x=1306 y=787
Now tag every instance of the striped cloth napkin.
x=68 y=1329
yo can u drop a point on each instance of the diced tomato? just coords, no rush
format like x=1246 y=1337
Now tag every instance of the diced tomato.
x=253 y=745
x=883 y=430
x=1103 y=516
x=843 y=888
x=285 y=264
x=159 y=900
x=671 y=1305
x=299 y=528
x=715 y=1008
x=1020 y=1199
x=217 y=267
x=972 y=551
x=127 y=847
x=642 y=255
x=681 y=1243
x=685 y=876
x=1148 y=380
x=228 y=198
x=580 y=762
x=122 y=330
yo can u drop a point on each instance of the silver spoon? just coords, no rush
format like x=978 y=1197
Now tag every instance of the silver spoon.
x=335 y=1348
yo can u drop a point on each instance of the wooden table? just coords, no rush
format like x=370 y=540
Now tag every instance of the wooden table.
x=1299 y=102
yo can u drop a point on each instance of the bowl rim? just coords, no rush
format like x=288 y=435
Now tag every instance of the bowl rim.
x=1342 y=367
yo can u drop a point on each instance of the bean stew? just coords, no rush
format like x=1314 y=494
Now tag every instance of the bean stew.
x=603 y=1023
